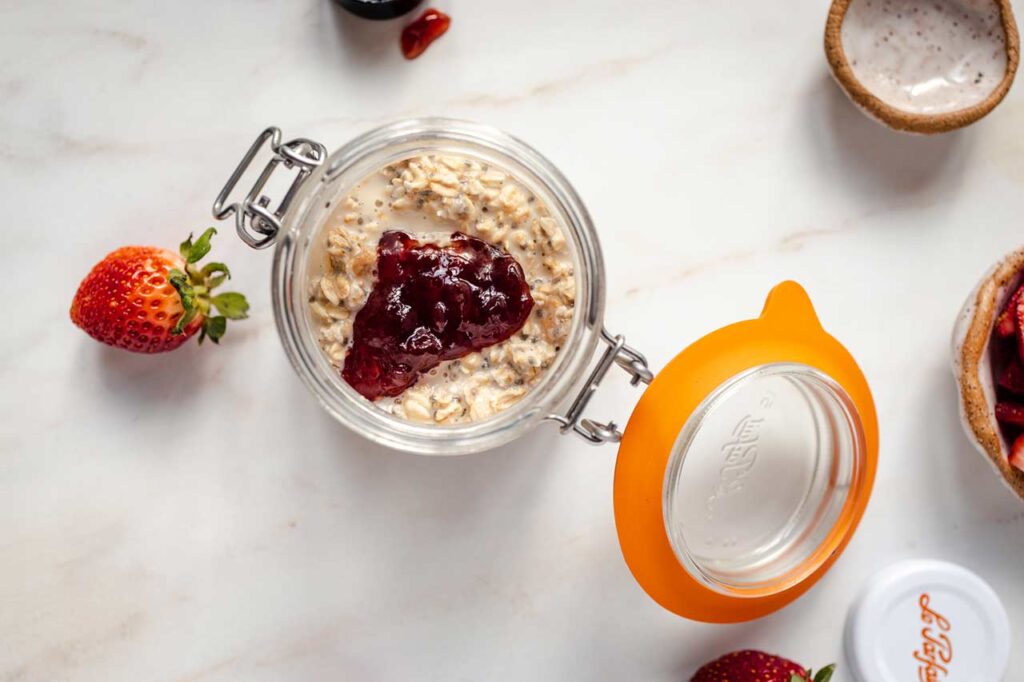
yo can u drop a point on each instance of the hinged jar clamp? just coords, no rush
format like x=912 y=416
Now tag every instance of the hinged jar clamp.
x=257 y=224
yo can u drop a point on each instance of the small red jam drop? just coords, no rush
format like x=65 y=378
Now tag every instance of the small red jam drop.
x=418 y=35
x=432 y=303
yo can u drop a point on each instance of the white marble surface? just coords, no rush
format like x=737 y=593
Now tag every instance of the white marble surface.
x=195 y=516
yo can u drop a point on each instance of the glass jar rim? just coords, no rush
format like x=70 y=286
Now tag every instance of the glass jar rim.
x=302 y=224
x=835 y=460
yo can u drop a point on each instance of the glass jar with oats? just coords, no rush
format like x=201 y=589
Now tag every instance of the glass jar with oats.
x=493 y=314
x=439 y=287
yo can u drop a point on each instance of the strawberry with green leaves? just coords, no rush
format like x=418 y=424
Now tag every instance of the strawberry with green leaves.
x=149 y=300
x=757 y=666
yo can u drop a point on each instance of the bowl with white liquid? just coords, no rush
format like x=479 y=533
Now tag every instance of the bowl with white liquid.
x=923 y=66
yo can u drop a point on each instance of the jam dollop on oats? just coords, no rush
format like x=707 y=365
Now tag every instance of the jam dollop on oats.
x=428 y=197
x=432 y=303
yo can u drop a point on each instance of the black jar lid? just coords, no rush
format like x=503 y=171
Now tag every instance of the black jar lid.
x=378 y=9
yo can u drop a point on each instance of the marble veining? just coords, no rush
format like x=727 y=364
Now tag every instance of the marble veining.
x=197 y=517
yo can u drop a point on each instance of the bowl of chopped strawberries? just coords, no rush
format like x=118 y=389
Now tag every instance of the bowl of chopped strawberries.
x=988 y=360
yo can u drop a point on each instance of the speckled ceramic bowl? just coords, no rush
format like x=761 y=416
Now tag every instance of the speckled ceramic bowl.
x=972 y=364
x=923 y=66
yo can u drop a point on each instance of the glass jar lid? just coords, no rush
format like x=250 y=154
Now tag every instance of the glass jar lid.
x=746 y=465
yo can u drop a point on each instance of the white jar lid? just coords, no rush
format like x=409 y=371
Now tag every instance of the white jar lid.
x=927 y=620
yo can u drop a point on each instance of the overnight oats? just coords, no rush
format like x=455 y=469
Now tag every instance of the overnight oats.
x=446 y=289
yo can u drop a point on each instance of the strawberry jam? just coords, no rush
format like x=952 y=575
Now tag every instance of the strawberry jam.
x=432 y=303
x=418 y=35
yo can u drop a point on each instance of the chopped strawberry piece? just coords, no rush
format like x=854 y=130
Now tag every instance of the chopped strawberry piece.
x=1017 y=453
x=1012 y=377
x=1010 y=413
x=1020 y=327
x=1007 y=322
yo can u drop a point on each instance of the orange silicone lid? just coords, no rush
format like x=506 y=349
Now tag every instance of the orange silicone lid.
x=787 y=331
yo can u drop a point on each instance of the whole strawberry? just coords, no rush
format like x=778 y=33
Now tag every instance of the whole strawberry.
x=757 y=666
x=150 y=300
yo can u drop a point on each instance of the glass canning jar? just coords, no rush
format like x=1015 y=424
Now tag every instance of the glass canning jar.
x=298 y=255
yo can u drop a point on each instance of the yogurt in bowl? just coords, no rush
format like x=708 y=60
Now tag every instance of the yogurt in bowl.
x=923 y=66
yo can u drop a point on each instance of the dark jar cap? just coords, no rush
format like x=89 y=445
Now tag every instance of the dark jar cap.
x=378 y=9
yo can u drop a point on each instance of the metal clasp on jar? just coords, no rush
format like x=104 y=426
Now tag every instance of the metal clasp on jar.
x=258 y=225
x=617 y=353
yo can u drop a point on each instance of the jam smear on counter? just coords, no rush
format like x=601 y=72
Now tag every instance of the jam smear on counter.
x=418 y=35
x=432 y=303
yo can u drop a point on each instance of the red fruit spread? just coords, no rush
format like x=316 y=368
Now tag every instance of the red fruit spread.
x=432 y=303
x=418 y=35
